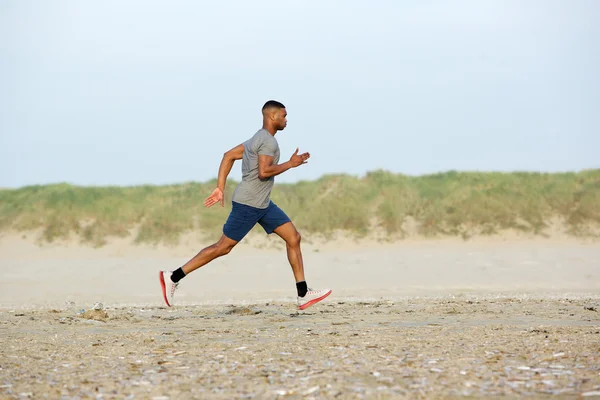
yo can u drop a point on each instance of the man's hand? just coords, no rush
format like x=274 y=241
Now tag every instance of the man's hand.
x=299 y=159
x=216 y=197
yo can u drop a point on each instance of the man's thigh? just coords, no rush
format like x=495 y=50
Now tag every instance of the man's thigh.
x=241 y=220
x=273 y=218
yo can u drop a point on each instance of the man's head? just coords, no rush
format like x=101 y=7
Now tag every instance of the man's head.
x=274 y=115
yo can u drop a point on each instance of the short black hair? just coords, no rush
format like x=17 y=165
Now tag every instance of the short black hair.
x=272 y=104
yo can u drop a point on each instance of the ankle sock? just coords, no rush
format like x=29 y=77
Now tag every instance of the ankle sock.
x=177 y=275
x=302 y=288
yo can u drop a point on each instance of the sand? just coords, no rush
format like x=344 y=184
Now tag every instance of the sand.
x=413 y=319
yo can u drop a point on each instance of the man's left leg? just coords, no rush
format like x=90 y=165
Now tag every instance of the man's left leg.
x=292 y=239
x=275 y=220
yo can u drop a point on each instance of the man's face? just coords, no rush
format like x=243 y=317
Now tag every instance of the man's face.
x=280 y=119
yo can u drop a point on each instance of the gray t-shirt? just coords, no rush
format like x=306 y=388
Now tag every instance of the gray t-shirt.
x=252 y=190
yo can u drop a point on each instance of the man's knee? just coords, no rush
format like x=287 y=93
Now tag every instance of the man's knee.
x=223 y=248
x=294 y=241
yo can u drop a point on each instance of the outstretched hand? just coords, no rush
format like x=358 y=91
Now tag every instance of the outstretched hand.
x=299 y=159
x=215 y=197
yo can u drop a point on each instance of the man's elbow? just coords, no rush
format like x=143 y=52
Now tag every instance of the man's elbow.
x=262 y=175
x=229 y=156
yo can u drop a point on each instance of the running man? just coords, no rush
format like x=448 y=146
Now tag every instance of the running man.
x=251 y=204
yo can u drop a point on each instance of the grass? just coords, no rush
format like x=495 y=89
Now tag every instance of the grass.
x=450 y=203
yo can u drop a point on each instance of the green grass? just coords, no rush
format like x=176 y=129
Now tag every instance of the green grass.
x=450 y=203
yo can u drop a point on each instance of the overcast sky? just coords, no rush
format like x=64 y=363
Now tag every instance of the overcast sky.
x=131 y=92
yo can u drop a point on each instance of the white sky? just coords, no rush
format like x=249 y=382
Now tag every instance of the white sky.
x=130 y=92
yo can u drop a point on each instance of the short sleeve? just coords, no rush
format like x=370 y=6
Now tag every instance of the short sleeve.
x=267 y=148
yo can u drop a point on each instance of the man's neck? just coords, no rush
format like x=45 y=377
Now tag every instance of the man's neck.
x=270 y=129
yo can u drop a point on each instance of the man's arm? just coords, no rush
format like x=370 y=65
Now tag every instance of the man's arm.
x=267 y=169
x=229 y=158
x=227 y=163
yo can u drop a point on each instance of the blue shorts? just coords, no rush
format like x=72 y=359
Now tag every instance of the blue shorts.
x=243 y=218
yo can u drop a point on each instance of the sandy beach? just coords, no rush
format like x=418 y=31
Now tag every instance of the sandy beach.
x=413 y=319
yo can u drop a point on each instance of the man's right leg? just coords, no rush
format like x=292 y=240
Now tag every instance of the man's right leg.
x=241 y=220
x=170 y=279
x=206 y=255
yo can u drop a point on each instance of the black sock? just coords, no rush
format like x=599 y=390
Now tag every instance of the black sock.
x=302 y=288
x=178 y=275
